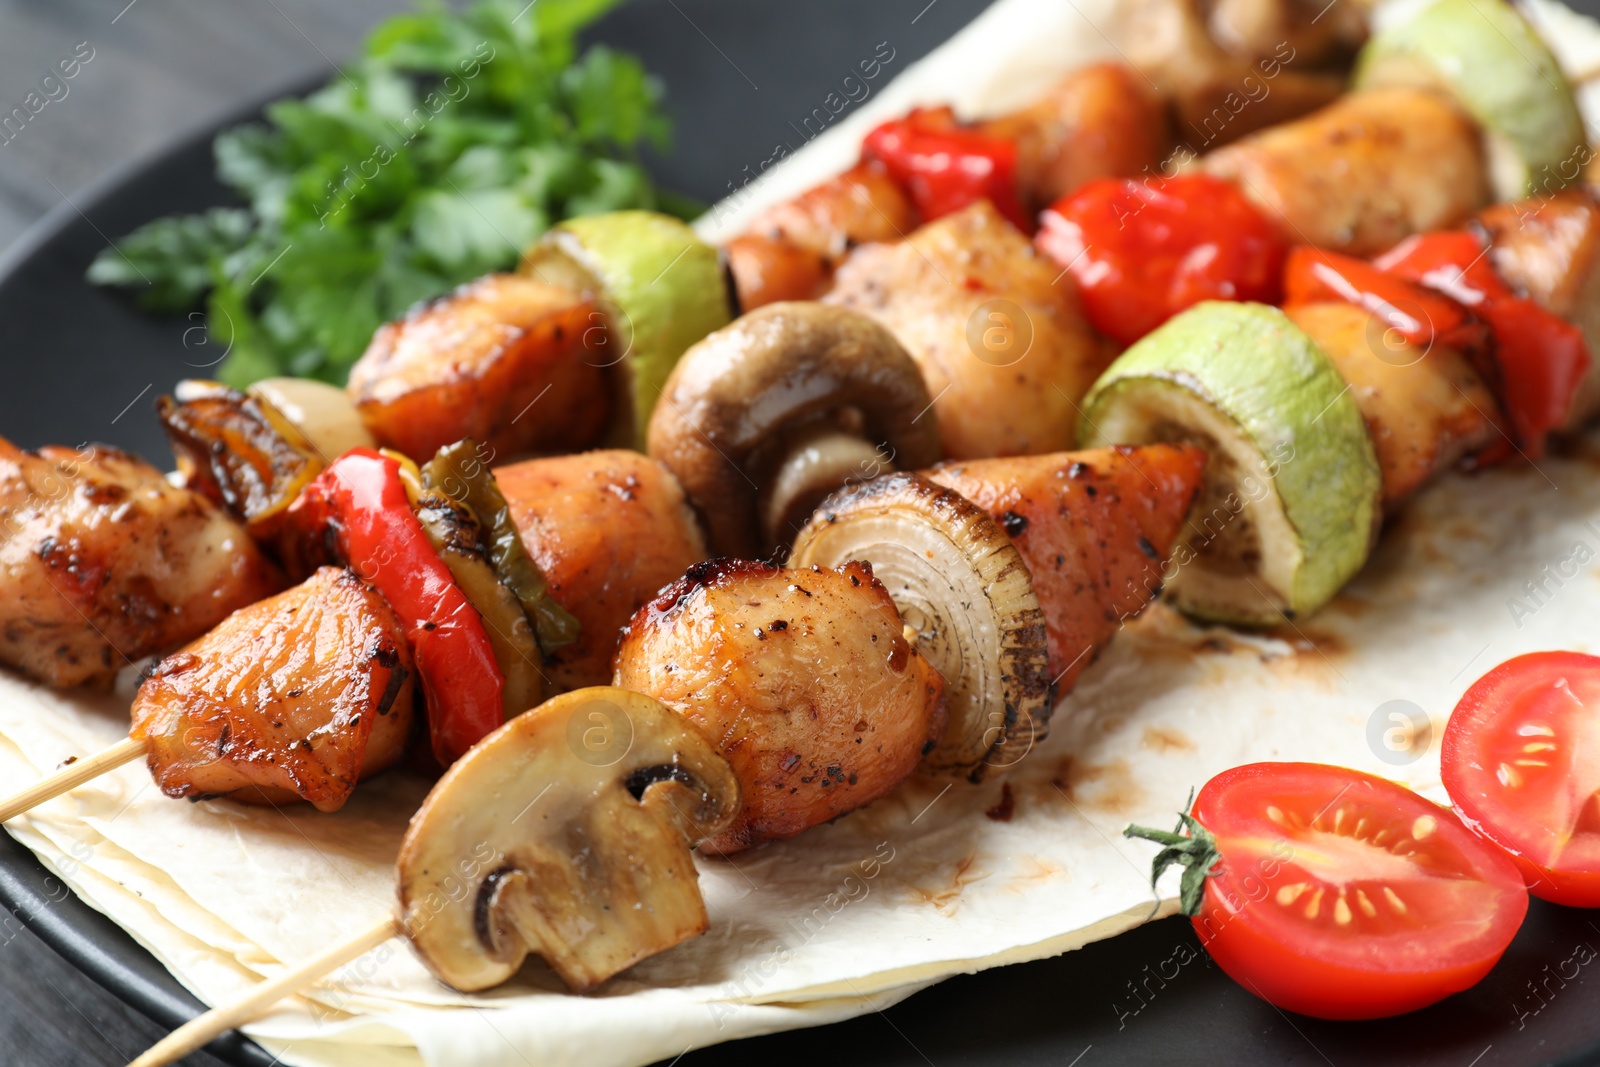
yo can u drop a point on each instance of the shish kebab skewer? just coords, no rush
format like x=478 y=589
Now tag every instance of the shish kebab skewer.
x=477 y=945
x=299 y=695
x=1078 y=113
x=832 y=352
x=825 y=356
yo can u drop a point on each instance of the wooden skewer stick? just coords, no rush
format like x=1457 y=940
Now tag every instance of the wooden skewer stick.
x=71 y=777
x=202 y=1030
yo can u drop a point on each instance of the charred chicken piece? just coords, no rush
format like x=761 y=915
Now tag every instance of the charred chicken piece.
x=472 y=362
x=608 y=529
x=1095 y=529
x=294 y=698
x=800 y=677
x=860 y=206
x=105 y=562
x=564 y=834
x=1100 y=121
x=1365 y=172
x=1425 y=408
x=767 y=270
x=1548 y=246
x=995 y=328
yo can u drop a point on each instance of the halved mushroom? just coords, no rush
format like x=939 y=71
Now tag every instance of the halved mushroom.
x=963 y=587
x=566 y=833
x=768 y=415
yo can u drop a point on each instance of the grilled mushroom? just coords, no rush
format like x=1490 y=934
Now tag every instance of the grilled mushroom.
x=565 y=833
x=963 y=587
x=770 y=414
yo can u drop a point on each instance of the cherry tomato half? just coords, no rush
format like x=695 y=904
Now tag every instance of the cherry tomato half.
x=1521 y=761
x=1143 y=250
x=1345 y=896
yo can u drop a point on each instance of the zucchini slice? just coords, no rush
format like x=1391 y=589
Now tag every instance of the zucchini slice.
x=1290 y=507
x=662 y=289
x=1488 y=57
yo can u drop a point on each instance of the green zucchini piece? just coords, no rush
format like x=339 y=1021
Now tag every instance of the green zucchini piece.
x=1487 y=55
x=662 y=289
x=1290 y=506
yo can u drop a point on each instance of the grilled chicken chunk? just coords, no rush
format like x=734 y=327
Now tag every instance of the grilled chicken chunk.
x=801 y=678
x=1365 y=172
x=608 y=529
x=1426 y=409
x=296 y=697
x=474 y=362
x=1100 y=121
x=103 y=562
x=1548 y=247
x=1095 y=528
x=767 y=270
x=859 y=206
x=995 y=328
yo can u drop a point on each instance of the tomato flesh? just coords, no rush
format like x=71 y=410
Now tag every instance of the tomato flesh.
x=1344 y=896
x=1143 y=250
x=1521 y=762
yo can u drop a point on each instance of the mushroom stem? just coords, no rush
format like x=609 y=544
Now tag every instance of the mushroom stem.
x=820 y=462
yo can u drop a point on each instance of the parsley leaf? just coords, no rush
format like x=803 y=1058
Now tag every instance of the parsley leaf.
x=438 y=154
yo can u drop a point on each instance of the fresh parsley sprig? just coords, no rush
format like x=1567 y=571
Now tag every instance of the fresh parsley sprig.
x=452 y=141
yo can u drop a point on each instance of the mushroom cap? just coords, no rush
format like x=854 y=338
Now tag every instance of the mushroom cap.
x=565 y=833
x=738 y=399
x=963 y=587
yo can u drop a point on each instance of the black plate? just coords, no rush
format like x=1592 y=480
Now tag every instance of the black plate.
x=83 y=365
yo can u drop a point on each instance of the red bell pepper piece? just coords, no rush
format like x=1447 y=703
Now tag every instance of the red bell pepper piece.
x=360 y=497
x=1414 y=312
x=1143 y=250
x=1543 y=358
x=945 y=166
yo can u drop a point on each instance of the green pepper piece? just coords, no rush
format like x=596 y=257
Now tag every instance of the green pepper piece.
x=461 y=474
